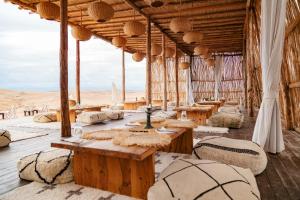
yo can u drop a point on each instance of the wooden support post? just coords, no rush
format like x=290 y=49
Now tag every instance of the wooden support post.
x=176 y=76
x=164 y=73
x=123 y=76
x=148 y=67
x=64 y=93
x=250 y=89
x=78 y=71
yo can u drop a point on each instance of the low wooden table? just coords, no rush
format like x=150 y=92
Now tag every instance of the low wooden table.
x=213 y=107
x=197 y=114
x=217 y=103
x=123 y=170
x=133 y=105
x=73 y=111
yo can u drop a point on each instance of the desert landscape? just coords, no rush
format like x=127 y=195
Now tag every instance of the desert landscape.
x=22 y=99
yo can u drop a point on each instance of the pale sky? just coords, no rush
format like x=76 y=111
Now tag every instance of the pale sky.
x=29 y=56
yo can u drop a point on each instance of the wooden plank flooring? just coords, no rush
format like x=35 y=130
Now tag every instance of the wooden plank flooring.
x=281 y=179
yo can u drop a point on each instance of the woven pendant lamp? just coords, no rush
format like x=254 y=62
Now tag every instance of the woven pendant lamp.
x=138 y=56
x=180 y=25
x=134 y=28
x=100 y=11
x=155 y=3
x=119 y=41
x=184 y=65
x=210 y=62
x=192 y=37
x=80 y=33
x=155 y=49
x=48 y=10
x=169 y=52
x=200 y=50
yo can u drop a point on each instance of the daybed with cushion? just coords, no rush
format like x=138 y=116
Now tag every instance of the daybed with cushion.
x=224 y=119
x=92 y=117
x=51 y=167
x=4 y=138
x=241 y=153
x=45 y=117
x=114 y=114
x=204 y=179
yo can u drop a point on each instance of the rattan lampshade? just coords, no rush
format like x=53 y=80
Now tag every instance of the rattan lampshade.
x=200 y=50
x=155 y=49
x=180 y=25
x=155 y=3
x=210 y=62
x=192 y=37
x=134 y=28
x=169 y=52
x=184 y=65
x=159 y=60
x=138 y=56
x=80 y=33
x=48 y=10
x=100 y=11
x=119 y=41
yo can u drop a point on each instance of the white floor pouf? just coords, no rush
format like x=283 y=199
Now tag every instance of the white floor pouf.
x=189 y=179
x=93 y=117
x=4 y=138
x=51 y=167
x=241 y=153
x=45 y=118
x=224 y=119
x=114 y=114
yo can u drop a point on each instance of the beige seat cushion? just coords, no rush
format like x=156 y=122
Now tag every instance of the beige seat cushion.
x=114 y=114
x=51 y=167
x=241 y=153
x=229 y=109
x=229 y=120
x=166 y=114
x=45 y=118
x=4 y=138
x=94 y=117
x=204 y=179
x=117 y=107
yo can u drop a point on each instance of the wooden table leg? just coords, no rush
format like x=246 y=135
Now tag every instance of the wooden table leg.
x=118 y=175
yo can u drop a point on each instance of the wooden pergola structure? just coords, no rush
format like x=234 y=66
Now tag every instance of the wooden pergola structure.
x=230 y=28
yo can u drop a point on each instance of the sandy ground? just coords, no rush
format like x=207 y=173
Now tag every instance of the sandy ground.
x=23 y=99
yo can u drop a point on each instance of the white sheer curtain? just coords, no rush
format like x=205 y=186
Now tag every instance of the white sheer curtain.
x=218 y=75
x=267 y=131
x=189 y=91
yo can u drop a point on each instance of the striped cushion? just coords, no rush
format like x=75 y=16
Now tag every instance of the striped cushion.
x=114 y=114
x=45 y=118
x=229 y=120
x=51 y=167
x=204 y=179
x=91 y=117
x=241 y=153
x=4 y=138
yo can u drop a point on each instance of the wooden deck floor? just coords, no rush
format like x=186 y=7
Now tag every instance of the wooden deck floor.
x=281 y=179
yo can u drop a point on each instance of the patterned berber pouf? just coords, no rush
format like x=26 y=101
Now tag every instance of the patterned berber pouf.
x=92 y=117
x=45 y=118
x=4 y=138
x=204 y=179
x=241 y=153
x=228 y=120
x=114 y=114
x=166 y=114
x=51 y=167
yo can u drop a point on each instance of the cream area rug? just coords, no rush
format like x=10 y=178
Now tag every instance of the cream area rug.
x=210 y=129
x=71 y=191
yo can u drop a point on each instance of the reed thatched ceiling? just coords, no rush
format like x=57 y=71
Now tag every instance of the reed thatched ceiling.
x=221 y=21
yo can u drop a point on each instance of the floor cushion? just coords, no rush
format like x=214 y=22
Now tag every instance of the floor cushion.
x=117 y=107
x=4 y=138
x=51 y=167
x=166 y=114
x=224 y=119
x=114 y=114
x=93 y=117
x=45 y=118
x=241 y=153
x=229 y=109
x=204 y=179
